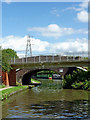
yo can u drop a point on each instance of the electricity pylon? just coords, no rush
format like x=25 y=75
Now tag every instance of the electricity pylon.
x=28 y=47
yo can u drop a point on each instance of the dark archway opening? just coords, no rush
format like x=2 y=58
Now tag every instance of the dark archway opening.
x=26 y=80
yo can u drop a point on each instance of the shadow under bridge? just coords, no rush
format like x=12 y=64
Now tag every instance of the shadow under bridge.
x=26 y=80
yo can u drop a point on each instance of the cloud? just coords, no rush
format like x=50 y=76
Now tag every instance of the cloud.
x=72 y=8
x=54 y=30
x=19 y=44
x=55 y=12
x=82 y=16
x=41 y=47
x=84 y=4
x=38 y=45
x=7 y=1
x=75 y=45
x=13 y=42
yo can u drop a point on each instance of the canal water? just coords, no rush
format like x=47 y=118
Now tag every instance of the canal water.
x=48 y=101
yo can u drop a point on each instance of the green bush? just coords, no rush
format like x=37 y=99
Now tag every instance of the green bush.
x=81 y=85
x=18 y=84
x=67 y=81
x=86 y=85
x=78 y=80
x=77 y=85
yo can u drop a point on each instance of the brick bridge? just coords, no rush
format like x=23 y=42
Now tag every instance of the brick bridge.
x=24 y=68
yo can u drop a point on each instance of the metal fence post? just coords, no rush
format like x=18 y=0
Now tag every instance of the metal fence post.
x=73 y=56
x=67 y=57
x=26 y=59
x=34 y=59
x=39 y=59
x=46 y=59
x=22 y=60
x=82 y=56
x=60 y=58
x=53 y=58
x=79 y=58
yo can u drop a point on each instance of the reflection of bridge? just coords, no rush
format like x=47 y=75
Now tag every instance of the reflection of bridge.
x=29 y=65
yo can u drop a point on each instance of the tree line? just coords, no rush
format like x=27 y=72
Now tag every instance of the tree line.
x=7 y=55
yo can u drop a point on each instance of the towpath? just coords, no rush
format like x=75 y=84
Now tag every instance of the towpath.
x=5 y=88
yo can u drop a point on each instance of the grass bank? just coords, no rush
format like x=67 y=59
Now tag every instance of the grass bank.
x=2 y=86
x=34 y=81
x=10 y=91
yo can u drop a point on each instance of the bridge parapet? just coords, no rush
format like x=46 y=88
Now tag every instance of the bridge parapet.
x=49 y=58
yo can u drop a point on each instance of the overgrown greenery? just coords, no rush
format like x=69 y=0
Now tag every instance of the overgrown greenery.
x=7 y=54
x=82 y=85
x=78 y=80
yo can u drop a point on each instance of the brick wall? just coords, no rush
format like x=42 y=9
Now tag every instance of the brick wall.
x=12 y=77
x=0 y=76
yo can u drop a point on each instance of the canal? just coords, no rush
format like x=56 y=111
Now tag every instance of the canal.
x=48 y=101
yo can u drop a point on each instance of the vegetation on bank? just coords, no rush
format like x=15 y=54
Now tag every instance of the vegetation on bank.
x=10 y=91
x=34 y=81
x=2 y=86
x=78 y=80
x=7 y=55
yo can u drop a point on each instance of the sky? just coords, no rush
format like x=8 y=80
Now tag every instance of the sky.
x=54 y=27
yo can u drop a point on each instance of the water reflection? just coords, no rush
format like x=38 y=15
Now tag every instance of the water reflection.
x=48 y=101
x=61 y=109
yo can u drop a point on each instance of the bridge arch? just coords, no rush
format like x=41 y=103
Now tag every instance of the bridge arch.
x=26 y=80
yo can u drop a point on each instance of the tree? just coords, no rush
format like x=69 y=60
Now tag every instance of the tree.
x=0 y=56
x=7 y=54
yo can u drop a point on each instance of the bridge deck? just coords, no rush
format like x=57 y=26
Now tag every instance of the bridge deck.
x=46 y=65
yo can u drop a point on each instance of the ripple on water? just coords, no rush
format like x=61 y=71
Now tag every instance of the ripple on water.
x=58 y=109
x=47 y=104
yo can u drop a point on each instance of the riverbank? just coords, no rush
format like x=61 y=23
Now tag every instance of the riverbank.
x=10 y=91
x=34 y=81
x=7 y=87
